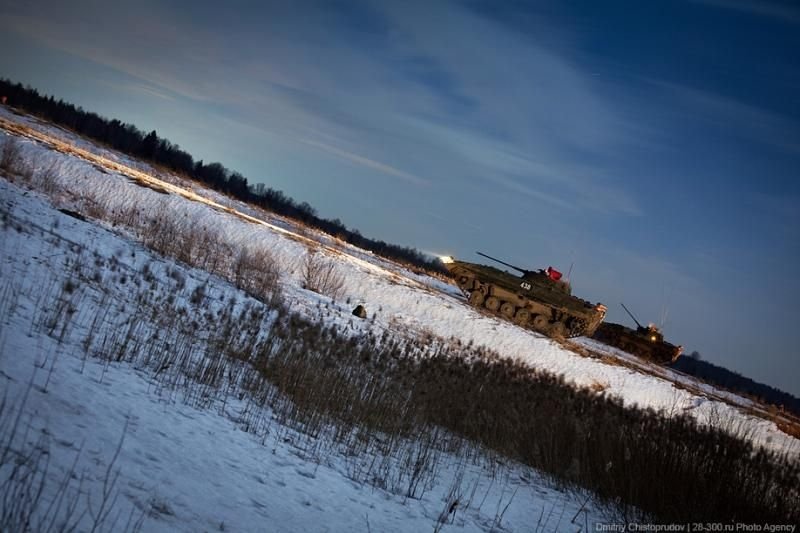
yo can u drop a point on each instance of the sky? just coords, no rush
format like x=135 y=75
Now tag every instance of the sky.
x=651 y=147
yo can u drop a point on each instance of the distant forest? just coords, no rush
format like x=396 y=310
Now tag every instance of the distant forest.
x=128 y=139
x=150 y=147
x=732 y=381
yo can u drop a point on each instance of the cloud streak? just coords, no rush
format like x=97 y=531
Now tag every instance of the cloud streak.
x=764 y=8
x=366 y=162
x=735 y=117
x=414 y=87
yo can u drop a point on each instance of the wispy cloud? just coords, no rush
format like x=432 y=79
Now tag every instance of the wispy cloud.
x=543 y=174
x=735 y=117
x=422 y=87
x=367 y=162
x=140 y=88
x=784 y=12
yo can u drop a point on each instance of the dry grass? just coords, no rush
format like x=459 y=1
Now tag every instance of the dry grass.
x=598 y=386
x=148 y=185
x=414 y=400
x=790 y=428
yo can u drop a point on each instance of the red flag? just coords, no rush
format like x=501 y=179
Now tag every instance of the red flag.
x=554 y=274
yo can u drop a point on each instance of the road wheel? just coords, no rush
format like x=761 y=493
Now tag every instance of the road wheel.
x=577 y=327
x=476 y=298
x=508 y=310
x=492 y=303
x=558 y=330
x=522 y=317
x=540 y=322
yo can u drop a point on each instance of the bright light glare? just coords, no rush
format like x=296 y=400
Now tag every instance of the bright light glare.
x=446 y=259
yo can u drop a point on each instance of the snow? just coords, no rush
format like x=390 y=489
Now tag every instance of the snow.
x=194 y=469
x=402 y=299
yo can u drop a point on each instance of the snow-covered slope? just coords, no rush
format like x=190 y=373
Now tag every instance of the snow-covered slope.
x=399 y=298
x=193 y=469
x=164 y=458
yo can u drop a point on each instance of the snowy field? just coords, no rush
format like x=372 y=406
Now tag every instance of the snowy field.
x=179 y=466
x=182 y=463
x=398 y=298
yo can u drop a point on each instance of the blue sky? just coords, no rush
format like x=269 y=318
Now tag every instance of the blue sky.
x=655 y=145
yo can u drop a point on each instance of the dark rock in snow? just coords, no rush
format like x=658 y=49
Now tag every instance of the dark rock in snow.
x=73 y=214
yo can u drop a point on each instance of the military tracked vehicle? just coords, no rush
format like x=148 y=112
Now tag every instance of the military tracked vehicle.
x=538 y=300
x=646 y=342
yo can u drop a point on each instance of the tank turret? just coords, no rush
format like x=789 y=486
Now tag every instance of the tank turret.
x=548 y=275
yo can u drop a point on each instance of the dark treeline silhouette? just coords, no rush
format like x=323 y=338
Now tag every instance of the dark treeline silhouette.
x=732 y=381
x=128 y=139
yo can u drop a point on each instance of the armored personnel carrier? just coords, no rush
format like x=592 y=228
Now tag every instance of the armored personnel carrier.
x=646 y=342
x=538 y=300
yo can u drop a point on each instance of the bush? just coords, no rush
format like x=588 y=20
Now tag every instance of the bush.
x=256 y=272
x=48 y=178
x=11 y=156
x=322 y=276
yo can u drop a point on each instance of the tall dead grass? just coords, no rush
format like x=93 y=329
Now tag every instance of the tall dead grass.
x=414 y=401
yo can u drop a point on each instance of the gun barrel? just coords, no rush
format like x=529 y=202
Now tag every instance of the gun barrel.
x=630 y=314
x=503 y=263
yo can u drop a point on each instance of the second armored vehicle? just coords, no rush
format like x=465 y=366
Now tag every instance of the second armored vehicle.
x=538 y=300
x=646 y=342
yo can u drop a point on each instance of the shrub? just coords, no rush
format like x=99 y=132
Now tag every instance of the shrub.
x=11 y=156
x=256 y=272
x=48 y=178
x=322 y=276
x=212 y=252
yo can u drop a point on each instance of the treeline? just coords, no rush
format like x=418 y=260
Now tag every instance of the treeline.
x=149 y=147
x=733 y=381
